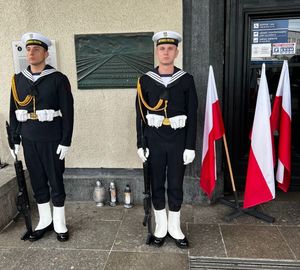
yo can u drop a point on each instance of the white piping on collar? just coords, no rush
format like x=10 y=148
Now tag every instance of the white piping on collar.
x=174 y=77
x=45 y=72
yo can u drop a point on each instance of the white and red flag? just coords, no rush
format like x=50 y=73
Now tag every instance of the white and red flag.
x=260 y=186
x=281 y=120
x=213 y=130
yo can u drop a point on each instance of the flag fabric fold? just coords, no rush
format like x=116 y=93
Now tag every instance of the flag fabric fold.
x=213 y=130
x=260 y=186
x=281 y=119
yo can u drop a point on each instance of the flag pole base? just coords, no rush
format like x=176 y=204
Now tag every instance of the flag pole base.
x=239 y=211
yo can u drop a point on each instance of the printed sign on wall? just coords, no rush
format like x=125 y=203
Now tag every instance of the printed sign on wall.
x=19 y=56
x=274 y=40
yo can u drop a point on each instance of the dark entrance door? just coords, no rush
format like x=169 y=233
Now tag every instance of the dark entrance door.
x=257 y=32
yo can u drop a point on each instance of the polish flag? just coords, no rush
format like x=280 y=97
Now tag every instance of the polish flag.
x=260 y=186
x=281 y=119
x=213 y=130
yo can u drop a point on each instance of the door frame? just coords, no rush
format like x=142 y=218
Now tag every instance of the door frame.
x=238 y=16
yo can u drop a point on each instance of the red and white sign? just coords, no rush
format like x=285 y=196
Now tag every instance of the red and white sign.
x=283 y=48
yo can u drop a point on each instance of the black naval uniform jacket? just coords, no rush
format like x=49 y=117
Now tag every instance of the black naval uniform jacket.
x=52 y=91
x=182 y=100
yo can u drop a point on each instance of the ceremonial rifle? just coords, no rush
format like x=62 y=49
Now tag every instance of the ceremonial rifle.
x=147 y=193
x=23 y=205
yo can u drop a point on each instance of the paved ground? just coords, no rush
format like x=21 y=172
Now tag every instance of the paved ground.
x=114 y=238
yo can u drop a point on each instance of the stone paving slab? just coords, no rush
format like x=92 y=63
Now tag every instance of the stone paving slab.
x=292 y=237
x=216 y=213
x=85 y=233
x=206 y=239
x=132 y=236
x=146 y=261
x=56 y=259
x=10 y=237
x=114 y=238
x=80 y=210
x=249 y=241
x=285 y=212
x=9 y=257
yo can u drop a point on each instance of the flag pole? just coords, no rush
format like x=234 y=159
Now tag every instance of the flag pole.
x=238 y=210
x=230 y=172
x=216 y=128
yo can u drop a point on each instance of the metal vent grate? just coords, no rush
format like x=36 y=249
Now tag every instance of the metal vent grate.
x=201 y=263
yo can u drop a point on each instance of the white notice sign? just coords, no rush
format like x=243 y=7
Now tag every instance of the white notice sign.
x=19 y=56
x=261 y=50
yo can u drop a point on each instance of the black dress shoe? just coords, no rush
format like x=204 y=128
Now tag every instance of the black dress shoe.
x=38 y=234
x=63 y=237
x=181 y=243
x=158 y=241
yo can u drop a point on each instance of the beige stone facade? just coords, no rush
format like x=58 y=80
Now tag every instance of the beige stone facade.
x=104 y=130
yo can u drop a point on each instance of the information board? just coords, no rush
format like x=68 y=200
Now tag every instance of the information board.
x=19 y=56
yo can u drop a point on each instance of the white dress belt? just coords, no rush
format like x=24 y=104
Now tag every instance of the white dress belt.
x=40 y=115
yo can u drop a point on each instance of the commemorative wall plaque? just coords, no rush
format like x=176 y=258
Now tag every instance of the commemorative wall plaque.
x=112 y=60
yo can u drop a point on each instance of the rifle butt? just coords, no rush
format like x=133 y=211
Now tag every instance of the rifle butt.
x=23 y=205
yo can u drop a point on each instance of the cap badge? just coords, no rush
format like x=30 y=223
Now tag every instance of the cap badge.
x=165 y=34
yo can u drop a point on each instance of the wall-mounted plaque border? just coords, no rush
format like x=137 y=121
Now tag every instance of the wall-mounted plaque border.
x=112 y=60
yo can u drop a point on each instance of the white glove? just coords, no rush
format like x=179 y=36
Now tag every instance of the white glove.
x=178 y=121
x=62 y=151
x=21 y=115
x=188 y=156
x=16 y=151
x=142 y=155
x=154 y=120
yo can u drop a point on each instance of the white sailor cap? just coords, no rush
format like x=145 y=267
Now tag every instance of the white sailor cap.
x=167 y=37
x=32 y=38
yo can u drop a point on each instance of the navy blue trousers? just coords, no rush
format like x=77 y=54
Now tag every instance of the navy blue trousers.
x=166 y=164
x=45 y=168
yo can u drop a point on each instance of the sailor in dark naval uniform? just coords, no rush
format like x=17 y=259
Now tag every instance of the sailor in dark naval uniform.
x=166 y=110
x=41 y=117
